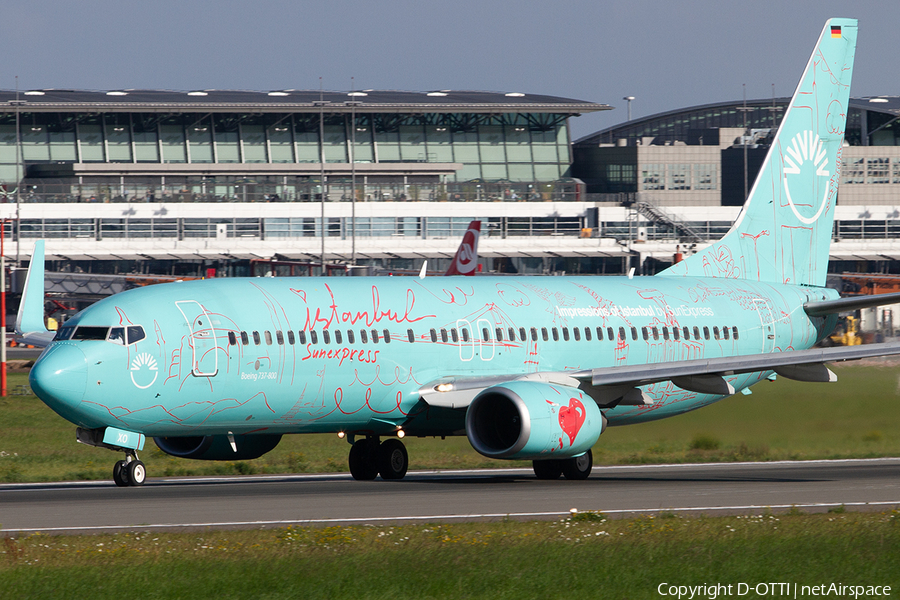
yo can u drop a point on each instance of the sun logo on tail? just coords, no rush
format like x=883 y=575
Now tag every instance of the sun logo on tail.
x=806 y=146
x=142 y=365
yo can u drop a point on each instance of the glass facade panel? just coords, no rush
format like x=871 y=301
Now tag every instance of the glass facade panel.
x=653 y=177
x=465 y=149
x=8 y=144
x=90 y=142
x=172 y=141
x=281 y=146
x=62 y=144
x=491 y=172
x=363 y=152
x=253 y=138
x=335 y=143
x=439 y=147
x=307 y=143
x=468 y=173
x=548 y=172
x=118 y=138
x=705 y=177
x=543 y=146
x=518 y=144
x=412 y=143
x=521 y=172
x=388 y=143
x=493 y=150
x=146 y=143
x=200 y=142
x=35 y=146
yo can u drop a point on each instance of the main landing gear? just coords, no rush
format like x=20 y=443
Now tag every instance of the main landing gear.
x=368 y=459
x=577 y=468
x=129 y=472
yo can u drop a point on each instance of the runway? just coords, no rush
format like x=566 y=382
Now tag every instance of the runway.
x=270 y=501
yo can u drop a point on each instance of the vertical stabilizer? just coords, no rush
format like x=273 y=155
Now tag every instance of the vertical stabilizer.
x=466 y=259
x=783 y=233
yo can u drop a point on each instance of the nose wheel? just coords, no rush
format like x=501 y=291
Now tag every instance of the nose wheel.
x=129 y=472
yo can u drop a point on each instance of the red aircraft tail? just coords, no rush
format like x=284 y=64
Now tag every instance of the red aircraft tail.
x=466 y=259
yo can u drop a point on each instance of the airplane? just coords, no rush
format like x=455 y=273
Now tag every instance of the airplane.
x=527 y=367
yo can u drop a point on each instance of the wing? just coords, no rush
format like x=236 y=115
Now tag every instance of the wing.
x=611 y=386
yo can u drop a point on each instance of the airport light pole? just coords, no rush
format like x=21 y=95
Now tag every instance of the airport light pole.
x=629 y=99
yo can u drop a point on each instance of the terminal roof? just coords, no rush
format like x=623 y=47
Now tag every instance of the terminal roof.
x=126 y=100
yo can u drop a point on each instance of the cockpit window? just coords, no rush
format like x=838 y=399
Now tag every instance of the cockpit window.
x=116 y=335
x=63 y=333
x=135 y=334
x=90 y=333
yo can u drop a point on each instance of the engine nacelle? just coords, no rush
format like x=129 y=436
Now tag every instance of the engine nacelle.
x=533 y=420
x=217 y=447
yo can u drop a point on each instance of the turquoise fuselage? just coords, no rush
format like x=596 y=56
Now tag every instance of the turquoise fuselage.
x=194 y=375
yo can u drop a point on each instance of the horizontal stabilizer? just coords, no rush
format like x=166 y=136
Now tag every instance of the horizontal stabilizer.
x=829 y=307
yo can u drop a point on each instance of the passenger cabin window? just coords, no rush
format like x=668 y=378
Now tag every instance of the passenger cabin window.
x=634 y=333
x=644 y=333
x=687 y=333
x=350 y=338
x=534 y=334
x=499 y=334
x=665 y=333
x=555 y=332
x=444 y=335
x=725 y=333
x=291 y=337
x=522 y=335
x=465 y=334
x=410 y=335
x=696 y=332
x=734 y=332
x=326 y=337
x=454 y=334
x=544 y=335
x=587 y=334
x=374 y=336
x=433 y=336
x=279 y=337
x=232 y=339
x=485 y=334
x=364 y=336
x=706 y=333
x=676 y=333
x=577 y=333
x=716 y=332
x=313 y=337
x=301 y=336
x=244 y=339
x=268 y=335
x=256 y=338
x=337 y=336
x=655 y=331
x=387 y=336
x=565 y=332
x=512 y=334
x=609 y=334
x=622 y=333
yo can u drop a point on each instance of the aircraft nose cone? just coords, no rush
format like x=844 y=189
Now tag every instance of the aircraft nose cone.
x=59 y=377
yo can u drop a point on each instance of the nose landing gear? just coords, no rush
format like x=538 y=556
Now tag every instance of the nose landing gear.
x=129 y=472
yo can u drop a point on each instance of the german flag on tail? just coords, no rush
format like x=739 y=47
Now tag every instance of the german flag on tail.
x=835 y=31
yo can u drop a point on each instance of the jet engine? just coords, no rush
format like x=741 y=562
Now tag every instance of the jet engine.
x=218 y=447
x=533 y=420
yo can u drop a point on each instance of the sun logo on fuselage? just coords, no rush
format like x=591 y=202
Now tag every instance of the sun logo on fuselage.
x=143 y=364
x=806 y=146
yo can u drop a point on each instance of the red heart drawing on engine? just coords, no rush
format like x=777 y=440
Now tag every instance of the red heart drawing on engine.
x=571 y=418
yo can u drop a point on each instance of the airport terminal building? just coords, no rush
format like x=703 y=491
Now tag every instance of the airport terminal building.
x=181 y=182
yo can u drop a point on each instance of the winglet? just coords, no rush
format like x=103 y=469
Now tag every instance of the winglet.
x=30 y=319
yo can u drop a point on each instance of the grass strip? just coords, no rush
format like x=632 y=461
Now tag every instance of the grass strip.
x=585 y=556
